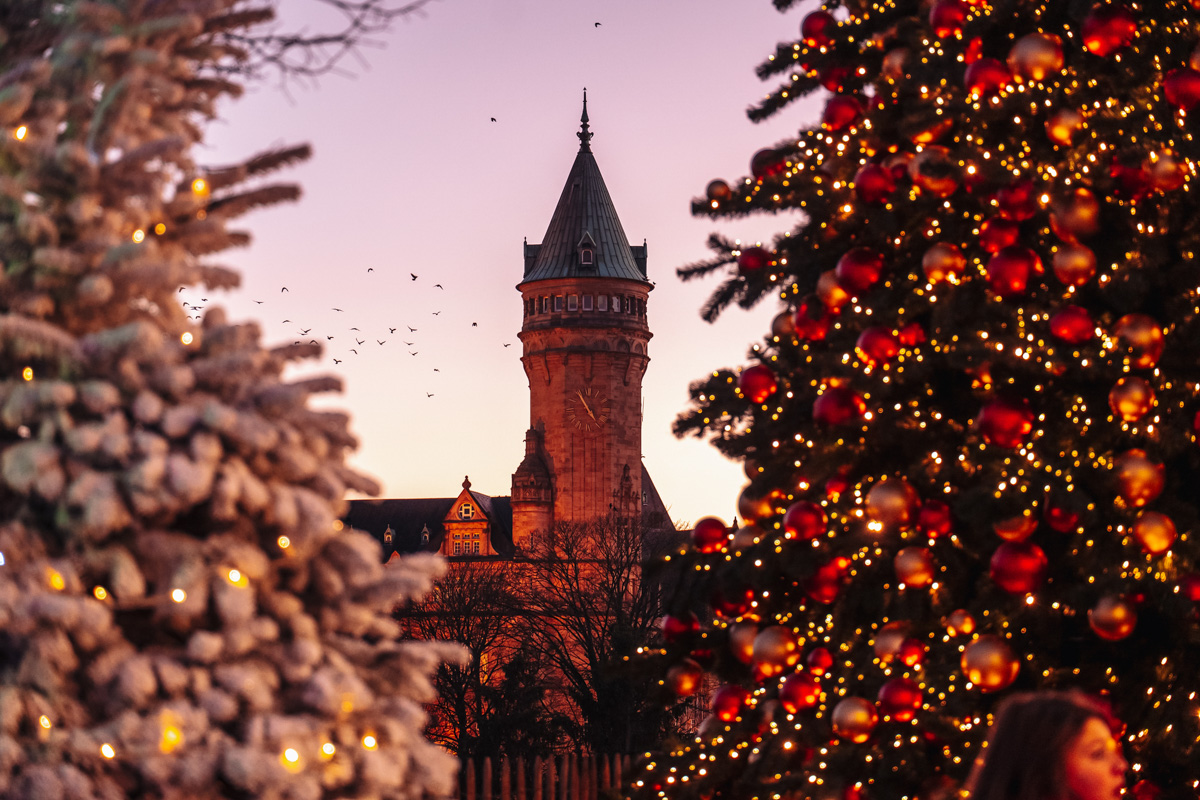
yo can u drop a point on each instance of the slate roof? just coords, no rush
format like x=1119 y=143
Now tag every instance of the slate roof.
x=408 y=517
x=585 y=210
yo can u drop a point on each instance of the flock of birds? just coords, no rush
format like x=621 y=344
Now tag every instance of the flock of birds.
x=354 y=332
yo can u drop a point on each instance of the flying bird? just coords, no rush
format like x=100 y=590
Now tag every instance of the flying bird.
x=354 y=329
x=327 y=338
x=352 y=350
x=493 y=119
x=305 y=331
x=260 y=302
x=474 y=324
x=414 y=277
x=508 y=344
x=411 y=329
x=429 y=394
x=337 y=309
x=597 y=24
x=337 y=361
x=413 y=354
x=438 y=286
x=284 y=289
x=286 y=320
x=359 y=341
x=381 y=341
x=410 y=344
x=181 y=288
x=370 y=269
x=312 y=341
x=393 y=330
x=436 y=313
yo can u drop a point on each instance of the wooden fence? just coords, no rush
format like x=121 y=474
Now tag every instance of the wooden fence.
x=567 y=777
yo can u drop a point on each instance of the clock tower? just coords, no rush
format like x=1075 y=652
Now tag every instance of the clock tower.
x=584 y=336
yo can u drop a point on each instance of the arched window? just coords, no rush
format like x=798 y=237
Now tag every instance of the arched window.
x=466 y=511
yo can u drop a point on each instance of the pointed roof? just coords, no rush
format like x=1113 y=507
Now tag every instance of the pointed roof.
x=585 y=215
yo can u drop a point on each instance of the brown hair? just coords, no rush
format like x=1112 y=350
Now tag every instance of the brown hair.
x=1023 y=759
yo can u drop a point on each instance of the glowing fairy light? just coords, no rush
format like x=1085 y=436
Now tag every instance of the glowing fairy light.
x=20 y=133
x=44 y=721
x=160 y=228
x=291 y=760
x=178 y=595
x=369 y=742
x=27 y=373
x=327 y=750
x=55 y=579
x=107 y=750
x=138 y=236
x=186 y=337
x=237 y=578
x=200 y=186
x=100 y=593
x=283 y=542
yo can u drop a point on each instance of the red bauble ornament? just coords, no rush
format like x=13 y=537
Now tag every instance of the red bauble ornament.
x=1018 y=201
x=1131 y=398
x=728 y=702
x=974 y=49
x=825 y=584
x=888 y=640
x=710 y=535
x=1062 y=520
x=947 y=18
x=997 y=233
x=733 y=602
x=767 y=163
x=915 y=567
x=775 y=650
x=757 y=383
x=839 y=483
x=1167 y=172
x=1182 y=87
x=1189 y=585
x=1112 y=618
x=1075 y=215
x=877 y=345
x=986 y=77
x=839 y=405
x=799 y=691
x=934 y=519
x=1143 y=339
x=859 y=268
x=1108 y=28
x=718 y=191
x=911 y=652
x=1072 y=324
x=819 y=661
x=1140 y=479
x=804 y=520
x=891 y=503
x=1155 y=532
x=1036 y=56
x=911 y=335
x=833 y=77
x=933 y=170
x=1074 y=264
x=1019 y=567
x=816 y=28
x=1145 y=790
x=1130 y=176
x=683 y=679
x=753 y=259
x=874 y=183
x=989 y=663
x=1009 y=270
x=1005 y=423
x=900 y=699
x=1062 y=125
x=841 y=111
x=741 y=640
x=812 y=320
x=943 y=261
x=960 y=623
x=1016 y=529
x=831 y=292
x=675 y=628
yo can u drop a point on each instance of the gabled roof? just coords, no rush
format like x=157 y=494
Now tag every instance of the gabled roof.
x=409 y=517
x=585 y=209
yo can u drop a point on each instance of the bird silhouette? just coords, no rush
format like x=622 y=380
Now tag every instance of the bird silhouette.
x=327 y=338
x=260 y=302
x=354 y=329
x=352 y=350
x=381 y=341
x=493 y=119
x=438 y=286
x=370 y=269
x=429 y=394
x=436 y=313
x=286 y=320
x=393 y=330
x=181 y=288
x=435 y=369
x=413 y=354
x=359 y=341
x=411 y=329
x=284 y=289
x=305 y=331
x=474 y=324
x=337 y=309
x=312 y=341
x=414 y=277
x=337 y=361
x=508 y=344
x=597 y=24
x=410 y=344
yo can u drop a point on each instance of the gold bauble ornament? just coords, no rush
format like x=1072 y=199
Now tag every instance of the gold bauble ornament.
x=1074 y=264
x=854 y=718
x=943 y=261
x=1035 y=57
x=747 y=536
x=1155 y=532
x=830 y=292
x=933 y=170
x=1142 y=337
x=1016 y=529
x=960 y=623
x=683 y=679
x=1112 y=618
x=915 y=567
x=754 y=504
x=1062 y=126
x=741 y=640
x=1075 y=215
x=1140 y=478
x=775 y=649
x=889 y=639
x=1131 y=398
x=989 y=663
x=891 y=504
x=1167 y=171
x=895 y=63
x=784 y=325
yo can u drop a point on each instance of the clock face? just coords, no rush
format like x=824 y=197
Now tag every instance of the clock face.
x=587 y=409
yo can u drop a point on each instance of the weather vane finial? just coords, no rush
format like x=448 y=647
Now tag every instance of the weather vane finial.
x=585 y=135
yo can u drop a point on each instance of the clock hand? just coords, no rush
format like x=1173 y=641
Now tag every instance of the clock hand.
x=586 y=407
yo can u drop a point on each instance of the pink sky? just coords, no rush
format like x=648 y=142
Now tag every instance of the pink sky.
x=411 y=176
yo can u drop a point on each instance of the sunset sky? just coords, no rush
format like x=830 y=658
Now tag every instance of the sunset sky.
x=411 y=176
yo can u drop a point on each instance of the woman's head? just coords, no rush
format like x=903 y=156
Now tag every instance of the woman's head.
x=1050 y=746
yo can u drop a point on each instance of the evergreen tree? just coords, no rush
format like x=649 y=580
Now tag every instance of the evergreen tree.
x=179 y=615
x=971 y=433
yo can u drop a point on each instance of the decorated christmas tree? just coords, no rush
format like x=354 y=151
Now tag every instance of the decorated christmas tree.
x=180 y=614
x=971 y=431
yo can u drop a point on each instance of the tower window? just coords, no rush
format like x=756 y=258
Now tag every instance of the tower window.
x=587 y=302
x=602 y=302
x=573 y=303
x=466 y=511
x=616 y=303
x=545 y=304
x=585 y=256
x=558 y=302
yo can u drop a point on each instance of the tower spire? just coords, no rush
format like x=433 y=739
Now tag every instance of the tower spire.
x=585 y=135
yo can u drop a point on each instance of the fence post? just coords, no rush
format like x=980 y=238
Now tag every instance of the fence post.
x=470 y=793
x=619 y=772
x=537 y=777
x=487 y=778
x=551 y=779
x=505 y=780
x=521 y=778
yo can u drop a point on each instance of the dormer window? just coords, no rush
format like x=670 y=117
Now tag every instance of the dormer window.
x=587 y=251
x=586 y=256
